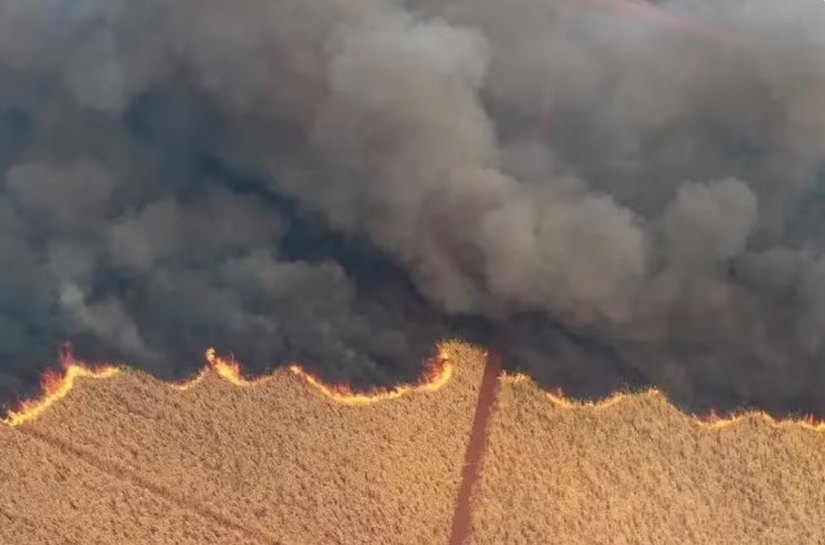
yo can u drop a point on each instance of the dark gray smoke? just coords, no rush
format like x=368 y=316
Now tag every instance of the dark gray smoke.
x=339 y=181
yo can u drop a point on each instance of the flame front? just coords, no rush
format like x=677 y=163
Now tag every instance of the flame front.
x=437 y=373
x=229 y=370
x=808 y=422
x=711 y=421
x=55 y=385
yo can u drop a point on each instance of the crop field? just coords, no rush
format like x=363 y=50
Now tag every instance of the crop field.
x=128 y=459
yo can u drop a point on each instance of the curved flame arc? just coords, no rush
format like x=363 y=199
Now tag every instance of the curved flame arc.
x=56 y=384
x=191 y=382
x=711 y=421
x=437 y=373
x=226 y=368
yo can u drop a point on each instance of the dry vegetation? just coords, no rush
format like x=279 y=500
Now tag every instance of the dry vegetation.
x=272 y=463
x=51 y=496
x=641 y=472
x=129 y=460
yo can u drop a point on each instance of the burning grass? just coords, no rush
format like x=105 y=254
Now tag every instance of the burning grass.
x=288 y=459
x=280 y=458
x=57 y=383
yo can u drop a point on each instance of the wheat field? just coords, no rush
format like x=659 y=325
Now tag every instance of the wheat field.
x=131 y=460
x=639 y=471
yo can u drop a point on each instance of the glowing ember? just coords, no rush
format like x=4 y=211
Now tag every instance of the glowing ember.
x=437 y=373
x=55 y=385
x=712 y=420
x=558 y=398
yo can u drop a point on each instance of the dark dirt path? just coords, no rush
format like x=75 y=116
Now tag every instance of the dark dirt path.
x=462 y=518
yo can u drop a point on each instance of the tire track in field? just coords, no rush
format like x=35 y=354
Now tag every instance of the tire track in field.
x=36 y=526
x=125 y=475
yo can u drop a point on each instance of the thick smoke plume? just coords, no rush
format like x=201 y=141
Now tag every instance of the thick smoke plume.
x=338 y=181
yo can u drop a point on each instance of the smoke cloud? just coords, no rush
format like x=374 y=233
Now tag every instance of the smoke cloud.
x=343 y=182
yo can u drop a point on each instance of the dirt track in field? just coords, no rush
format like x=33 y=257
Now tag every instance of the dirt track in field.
x=130 y=460
x=639 y=471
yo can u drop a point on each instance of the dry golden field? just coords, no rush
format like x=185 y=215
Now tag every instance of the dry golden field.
x=638 y=471
x=130 y=460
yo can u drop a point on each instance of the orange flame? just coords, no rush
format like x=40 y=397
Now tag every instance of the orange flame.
x=711 y=421
x=190 y=383
x=808 y=422
x=437 y=373
x=227 y=369
x=55 y=385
